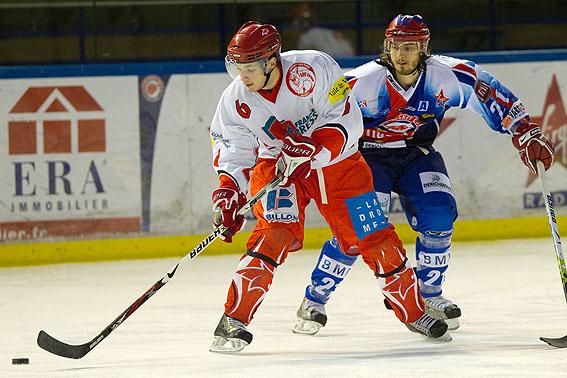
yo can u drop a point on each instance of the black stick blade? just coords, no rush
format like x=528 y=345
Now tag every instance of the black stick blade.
x=560 y=342
x=59 y=348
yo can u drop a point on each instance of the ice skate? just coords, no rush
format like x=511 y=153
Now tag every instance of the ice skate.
x=310 y=317
x=231 y=336
x=430 y=326
x=445 y=309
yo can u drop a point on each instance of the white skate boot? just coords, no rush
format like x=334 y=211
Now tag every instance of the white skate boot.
x=430 y=326
x=231 y=336
x=443 y=308
x=310 y=317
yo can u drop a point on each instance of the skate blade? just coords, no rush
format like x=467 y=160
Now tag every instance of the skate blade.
x=222 y=345
x=453 y=324
x=560 y=342
x=441 y=339
x=446 y=337
x=306 y=327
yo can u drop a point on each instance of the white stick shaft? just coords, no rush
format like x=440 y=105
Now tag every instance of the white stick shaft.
x=553 y=225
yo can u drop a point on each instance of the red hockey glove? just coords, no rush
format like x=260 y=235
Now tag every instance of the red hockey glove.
x=533 y=146
x=227 y=199
x=294 y=161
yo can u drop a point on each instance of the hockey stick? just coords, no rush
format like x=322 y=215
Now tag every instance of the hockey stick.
x=62 y=349
x=560 y=342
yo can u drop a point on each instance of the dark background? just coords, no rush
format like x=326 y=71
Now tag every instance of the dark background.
x=56 y=32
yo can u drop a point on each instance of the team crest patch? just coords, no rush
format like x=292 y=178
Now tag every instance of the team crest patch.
x=441 y=99
x=300 y=79
x=399 y=126
x=482 y=90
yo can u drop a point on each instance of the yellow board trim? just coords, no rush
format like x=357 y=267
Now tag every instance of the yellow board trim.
x=26 y=254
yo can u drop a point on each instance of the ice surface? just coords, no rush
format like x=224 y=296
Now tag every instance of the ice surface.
x=509 y=292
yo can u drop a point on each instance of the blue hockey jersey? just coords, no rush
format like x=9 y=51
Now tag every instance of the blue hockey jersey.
x=395 y=118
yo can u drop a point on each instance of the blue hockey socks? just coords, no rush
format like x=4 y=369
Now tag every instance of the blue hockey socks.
x=433 y=251
x=332 y=267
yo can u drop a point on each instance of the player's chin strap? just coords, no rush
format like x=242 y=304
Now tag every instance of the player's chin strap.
x=419 y=68
x=267 y=79
x=269 y=75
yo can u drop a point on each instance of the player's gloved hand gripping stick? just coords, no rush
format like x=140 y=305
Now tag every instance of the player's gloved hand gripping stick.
x=560 y=342
x=227 y=201
x=294 y=161
x=62 y=349
x=533 y=146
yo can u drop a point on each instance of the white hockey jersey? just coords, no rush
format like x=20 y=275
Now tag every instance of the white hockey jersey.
x=394 y=117
x=312 y=99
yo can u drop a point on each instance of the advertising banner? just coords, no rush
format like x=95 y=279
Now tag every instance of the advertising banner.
x=70 y=157
x=132 y=154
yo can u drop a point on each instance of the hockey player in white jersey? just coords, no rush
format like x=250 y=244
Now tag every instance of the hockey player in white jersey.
x=403 y=97
x=291 y=114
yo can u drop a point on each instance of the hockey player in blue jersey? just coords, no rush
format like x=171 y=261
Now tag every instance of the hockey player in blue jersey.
x=403 y=96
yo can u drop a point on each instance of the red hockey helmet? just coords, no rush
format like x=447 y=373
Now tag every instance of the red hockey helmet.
x=254 y=41
x=407 y=28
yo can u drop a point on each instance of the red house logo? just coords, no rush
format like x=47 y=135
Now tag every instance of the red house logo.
x=54 y=120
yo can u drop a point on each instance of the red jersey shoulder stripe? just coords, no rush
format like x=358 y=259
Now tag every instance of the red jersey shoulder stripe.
x=465 y=69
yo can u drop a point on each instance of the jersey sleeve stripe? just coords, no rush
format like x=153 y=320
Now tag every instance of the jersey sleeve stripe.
x=465 y=78
x=227 y=179
x=351 y=82
x=465 y=68
x=333 y=136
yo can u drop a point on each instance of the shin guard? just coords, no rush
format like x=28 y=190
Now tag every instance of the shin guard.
x=248 y=288
x=402 y=293
x=384 y=254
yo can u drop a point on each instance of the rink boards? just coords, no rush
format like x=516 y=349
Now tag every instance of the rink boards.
x=114 y=161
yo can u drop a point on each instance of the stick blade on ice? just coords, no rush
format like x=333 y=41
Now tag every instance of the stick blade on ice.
x=59 y=348
x=560 y=342
x=62 y=349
